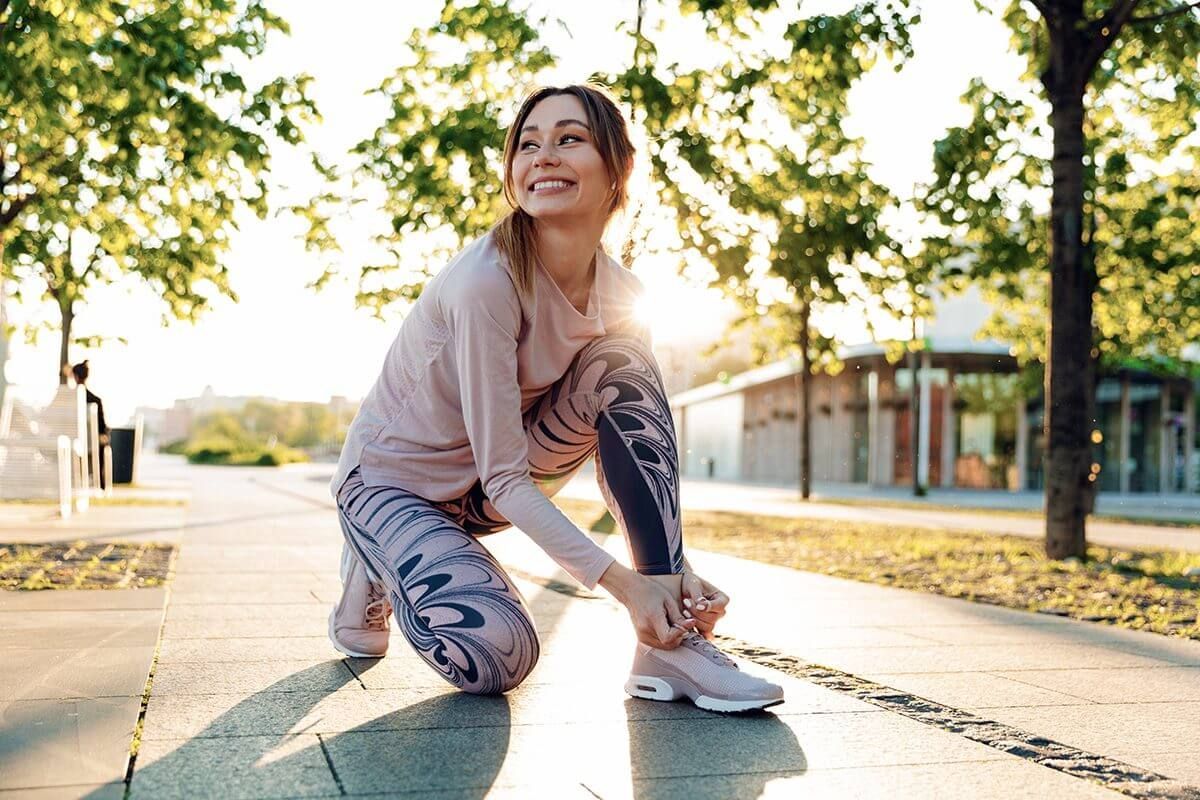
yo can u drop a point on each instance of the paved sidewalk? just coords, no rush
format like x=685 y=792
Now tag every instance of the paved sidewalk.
x=249 y=700
x=71 y=684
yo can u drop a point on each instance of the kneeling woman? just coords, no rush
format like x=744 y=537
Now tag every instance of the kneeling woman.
x=520 y=361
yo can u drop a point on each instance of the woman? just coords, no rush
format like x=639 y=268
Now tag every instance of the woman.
x=520 y=360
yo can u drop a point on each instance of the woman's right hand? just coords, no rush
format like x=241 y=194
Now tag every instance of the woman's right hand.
x=654 y=610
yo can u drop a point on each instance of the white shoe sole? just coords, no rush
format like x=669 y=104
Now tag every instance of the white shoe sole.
x=341 y=648
x=666 y=690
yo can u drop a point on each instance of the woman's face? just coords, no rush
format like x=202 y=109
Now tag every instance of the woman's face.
x=557 y=170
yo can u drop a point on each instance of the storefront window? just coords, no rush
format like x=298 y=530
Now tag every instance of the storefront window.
x=986 y=430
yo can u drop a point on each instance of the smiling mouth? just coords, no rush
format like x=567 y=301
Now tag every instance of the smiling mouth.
x=543 y=186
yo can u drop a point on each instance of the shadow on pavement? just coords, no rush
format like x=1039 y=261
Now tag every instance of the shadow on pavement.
x=716 y=756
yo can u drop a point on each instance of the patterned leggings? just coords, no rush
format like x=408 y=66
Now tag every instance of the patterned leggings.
x=453 y=601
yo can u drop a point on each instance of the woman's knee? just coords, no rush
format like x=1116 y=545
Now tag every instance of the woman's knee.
x=503 y=673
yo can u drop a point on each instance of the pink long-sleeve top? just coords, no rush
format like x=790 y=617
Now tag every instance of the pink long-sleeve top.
x=471 y=356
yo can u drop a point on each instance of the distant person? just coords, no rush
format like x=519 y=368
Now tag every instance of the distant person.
x=81 y=372
x=520 y=361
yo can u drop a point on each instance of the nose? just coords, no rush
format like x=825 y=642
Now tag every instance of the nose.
x=545 y=155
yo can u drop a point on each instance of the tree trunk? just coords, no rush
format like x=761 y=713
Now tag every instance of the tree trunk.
x=66 y=308
x=805 y=404
x=1069 y=364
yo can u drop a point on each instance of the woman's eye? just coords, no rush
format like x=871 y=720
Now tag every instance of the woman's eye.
x=525 y=145
x=569 y=136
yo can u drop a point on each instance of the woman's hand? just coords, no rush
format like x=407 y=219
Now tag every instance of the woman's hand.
x=702 y=602
x=654 y=608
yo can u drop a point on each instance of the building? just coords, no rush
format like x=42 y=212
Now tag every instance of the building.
x=978 y=428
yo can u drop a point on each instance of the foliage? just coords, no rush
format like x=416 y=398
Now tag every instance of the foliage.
x=262 y=434
x=437 y=156
x=129 y=143
x=1141 y=195
x=765 y=183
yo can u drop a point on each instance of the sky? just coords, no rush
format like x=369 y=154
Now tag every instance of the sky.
x=287 y=341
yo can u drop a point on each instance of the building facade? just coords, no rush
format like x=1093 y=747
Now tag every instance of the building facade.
x=977 y=428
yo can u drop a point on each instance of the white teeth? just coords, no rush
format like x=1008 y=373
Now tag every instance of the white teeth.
x=550 y=185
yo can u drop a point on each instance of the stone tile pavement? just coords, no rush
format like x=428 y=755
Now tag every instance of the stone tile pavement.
x=920 y=696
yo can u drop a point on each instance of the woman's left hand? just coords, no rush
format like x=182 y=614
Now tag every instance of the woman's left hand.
x=702 y=602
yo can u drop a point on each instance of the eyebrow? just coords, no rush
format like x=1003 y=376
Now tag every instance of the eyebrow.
x=562 y=123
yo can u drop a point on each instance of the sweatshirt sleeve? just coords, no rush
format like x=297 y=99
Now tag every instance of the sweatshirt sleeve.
x=484 y=320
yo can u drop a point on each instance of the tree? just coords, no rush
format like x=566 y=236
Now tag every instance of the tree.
x=129 y=143
x=437 y=156
x=764 y=182
x=1121 y=85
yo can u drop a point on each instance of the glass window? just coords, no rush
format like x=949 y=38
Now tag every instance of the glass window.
x=986 y=430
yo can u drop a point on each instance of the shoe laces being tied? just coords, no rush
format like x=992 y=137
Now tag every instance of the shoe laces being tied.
x=704 y=647
x=378 y=608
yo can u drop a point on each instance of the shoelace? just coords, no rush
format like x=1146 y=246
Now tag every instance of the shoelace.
x=377 y=610
x=709 y=650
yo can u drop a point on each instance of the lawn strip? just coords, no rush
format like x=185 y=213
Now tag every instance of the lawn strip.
x=84 y=565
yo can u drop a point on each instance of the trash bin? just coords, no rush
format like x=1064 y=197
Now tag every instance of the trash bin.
x=126 y=445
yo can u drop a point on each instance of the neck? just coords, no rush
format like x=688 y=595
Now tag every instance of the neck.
x=567 y=253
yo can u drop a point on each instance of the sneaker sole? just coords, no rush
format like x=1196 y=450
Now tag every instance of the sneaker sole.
x=666 y=690
x=341 y=648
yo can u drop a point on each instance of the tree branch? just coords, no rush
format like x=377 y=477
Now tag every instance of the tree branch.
x=1105 y=30
x=1174 y=12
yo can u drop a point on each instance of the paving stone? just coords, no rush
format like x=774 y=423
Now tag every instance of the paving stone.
x=308 y=648
x=310 y=610
x=255 y=581
x=266 y=713
x=65 y=742
x=46 y=674
x=232 y=768
x=280 y=626
x=1180 y=764
x=415 y=760
x=77 y=630
x=1118 y=685
x=247 y=678
x=83 y=599
x=1008 y=780
x=974 y=690
x=97 y=791
x=255 y=597
x=972 y=658
x=1111 y=728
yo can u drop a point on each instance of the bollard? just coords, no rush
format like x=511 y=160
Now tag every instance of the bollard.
x=64 y=477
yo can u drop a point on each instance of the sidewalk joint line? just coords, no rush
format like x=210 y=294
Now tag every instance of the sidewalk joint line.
x=1124 y=778
x=1109 y=772
x=332 y=769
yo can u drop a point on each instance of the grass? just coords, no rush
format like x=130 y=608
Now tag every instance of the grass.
x=115 y=500
x=83 y=565
x=1156 y=590
x=1028 y=513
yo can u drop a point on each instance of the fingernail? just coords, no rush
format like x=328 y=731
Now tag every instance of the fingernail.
x=687 y=602
x=687 y=614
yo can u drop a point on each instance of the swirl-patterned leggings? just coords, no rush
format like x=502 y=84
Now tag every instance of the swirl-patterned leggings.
x=453 y=601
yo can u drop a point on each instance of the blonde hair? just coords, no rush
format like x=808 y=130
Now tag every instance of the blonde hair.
x=515 y=234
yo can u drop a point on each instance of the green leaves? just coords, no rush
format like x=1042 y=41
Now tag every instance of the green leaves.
x=129 y=132
x=993 y=179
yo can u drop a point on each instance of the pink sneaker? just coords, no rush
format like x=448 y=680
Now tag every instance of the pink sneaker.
x=358 y=624
x=698 y=670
